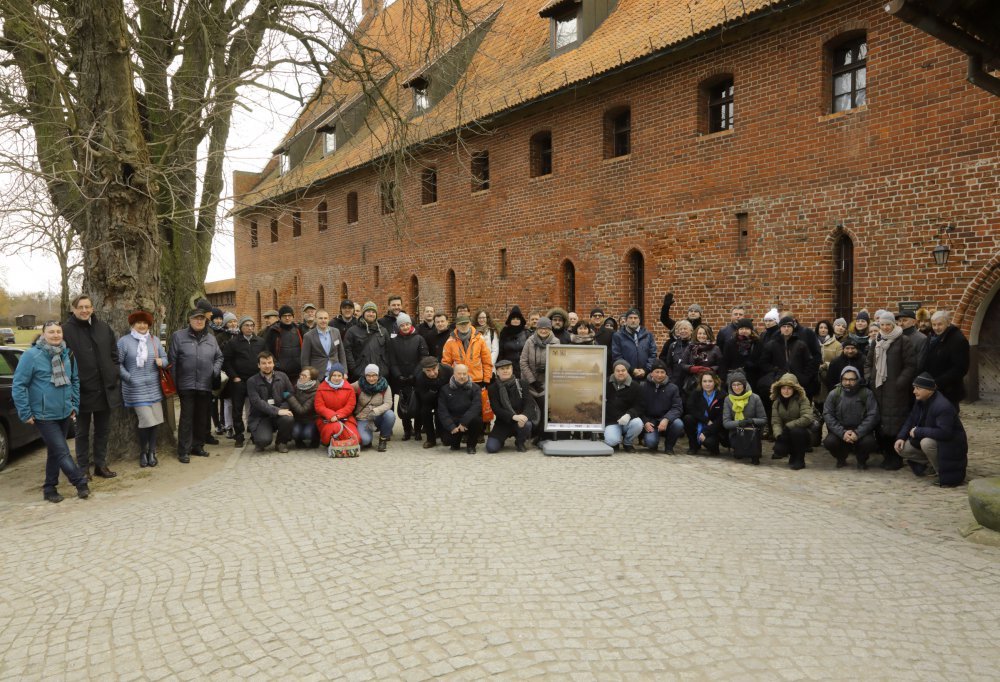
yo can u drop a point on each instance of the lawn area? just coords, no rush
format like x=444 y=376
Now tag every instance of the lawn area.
x=25 y=336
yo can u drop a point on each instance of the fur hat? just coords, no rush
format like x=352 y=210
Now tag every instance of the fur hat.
x=140 y=316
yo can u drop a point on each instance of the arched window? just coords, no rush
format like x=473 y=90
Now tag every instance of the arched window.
x=637 y=282
x=568 y=285
x=843 y=277
x=274 y=298
x=259 y=309
x=449 y=295
x=414 y=297
x=322 y=296
x=343 y=291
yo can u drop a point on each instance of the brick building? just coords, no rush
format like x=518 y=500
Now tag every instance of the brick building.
x=805 y=153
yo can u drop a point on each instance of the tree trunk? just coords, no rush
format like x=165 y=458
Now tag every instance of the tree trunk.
x=118 y=231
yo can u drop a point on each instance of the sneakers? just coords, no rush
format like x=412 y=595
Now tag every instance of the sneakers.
x=382 y=444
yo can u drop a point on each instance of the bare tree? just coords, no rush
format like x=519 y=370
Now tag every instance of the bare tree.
x=129 y=105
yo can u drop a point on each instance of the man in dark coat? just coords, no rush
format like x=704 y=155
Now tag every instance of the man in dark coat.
x=736 y=314
x=786 y=353
x=269 y=390
x=849 y=357
x=947 y=357
x=426 y=326
x=406 y=349
x=345 y=320
x=891 y=365
x=388 y=321
x=460 y=410
x=634 y=344
x=95 y=351
x=933 y=438
x=661 y=409
x=430 y=379
x=308 y=322
x=442 y=332
x=284 y=341
x=240 y=362
x=851 y=416
x=907 y=319
x=367 y=343
x=622 y=408
x=560 y=324
x=515 y=409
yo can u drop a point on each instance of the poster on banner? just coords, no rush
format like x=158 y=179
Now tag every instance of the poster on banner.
x=575 y=380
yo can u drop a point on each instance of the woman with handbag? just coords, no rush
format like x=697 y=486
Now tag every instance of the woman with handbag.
x=743 y=417
x=334 y=405
x=140 y=359
x=791 y=420
x=373 y=407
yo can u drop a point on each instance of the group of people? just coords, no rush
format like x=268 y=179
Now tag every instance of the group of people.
x=891 y=387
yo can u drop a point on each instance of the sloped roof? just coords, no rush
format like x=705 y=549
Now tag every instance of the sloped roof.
x=511 y=67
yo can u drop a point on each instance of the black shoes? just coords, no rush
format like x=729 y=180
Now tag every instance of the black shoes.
x=143 y=460
x=841 y=462
x=520 y=447
x=104 y=472
x=83 y=493
x=892 y=462
x=428 y=444
x=471 y=450
x=281 y=447
x=151 y=458
x=211 y=440
x=199 y=452
x=53 y=497
x=406 y=436
x=183 y=459
x=239 y=442
x=862 y=462
x=382 y=443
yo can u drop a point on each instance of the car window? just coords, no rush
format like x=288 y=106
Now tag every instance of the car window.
x=6 y=366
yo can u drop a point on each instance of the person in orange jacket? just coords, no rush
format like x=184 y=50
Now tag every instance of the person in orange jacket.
x=466 y=346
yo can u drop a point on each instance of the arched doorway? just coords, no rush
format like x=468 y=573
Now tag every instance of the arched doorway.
x=414 y=298
x=983 y=380
x=843 y=277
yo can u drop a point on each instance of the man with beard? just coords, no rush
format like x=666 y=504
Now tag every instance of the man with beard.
x=634 y=344
x=268 y=391
x=345 y=320
x=851 y=416
x=388 y=320
x=849 y=355
x=308 y=318
x=559 y=317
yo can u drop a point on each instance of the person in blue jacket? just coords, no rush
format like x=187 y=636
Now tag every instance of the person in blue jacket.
x=46 y=393
x=933 y=439
x=635 y=345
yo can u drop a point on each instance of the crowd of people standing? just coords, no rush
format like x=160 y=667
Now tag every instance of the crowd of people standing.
x=887 y=383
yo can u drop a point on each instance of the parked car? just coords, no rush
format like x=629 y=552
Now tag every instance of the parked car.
x=13 y=432
x=7 y=335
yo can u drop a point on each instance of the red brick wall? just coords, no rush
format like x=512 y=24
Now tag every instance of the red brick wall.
x=922 y=154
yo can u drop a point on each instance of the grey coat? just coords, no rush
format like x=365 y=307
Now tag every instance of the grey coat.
x=194 y=360
x=754 y=411
x=852 y=411
x=313 y=353
x=895 y=396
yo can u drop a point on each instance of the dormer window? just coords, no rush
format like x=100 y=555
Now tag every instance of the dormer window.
x=330 y=140
x=564 y=31
x=421 y=101
x=284 y=163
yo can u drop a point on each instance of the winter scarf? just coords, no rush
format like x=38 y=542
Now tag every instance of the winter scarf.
x=371 y=389
x=333 y=385
x=464 y=338
x=881 y=354
x=307 y=385
x=455 y=384
x=740 y=402
x=542 y=343
x=142 y=351
x=59 y=377
x=620 y=385
x=505 y=387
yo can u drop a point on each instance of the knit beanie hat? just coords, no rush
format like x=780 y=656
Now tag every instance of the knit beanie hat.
x=772 y=315
x=286 y=310
x=369 y=305
x=887 y=318
x=403 y=318
x=337 y=367
x=245 y=319
x=658 y=364
x=371 y=369
x=227 y=317
x=848 y=342
x=841 y=321
x=623 y=363
x=744 y=323
x=787 y=319
x=543 y=323
x=925 y=380
x=216 y=313
x=863 y=315
x=695 y=308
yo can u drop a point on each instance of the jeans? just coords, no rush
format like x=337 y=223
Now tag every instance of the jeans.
x=383 y=423
x=195 y=420
x=54 y=434
x=613 y=433
x=102 y=425
x=673 y=432
x=306 y=431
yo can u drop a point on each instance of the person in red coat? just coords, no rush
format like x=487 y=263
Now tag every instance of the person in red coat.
x=334 y=405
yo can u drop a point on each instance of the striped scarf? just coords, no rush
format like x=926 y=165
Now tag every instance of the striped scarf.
x=59 y=377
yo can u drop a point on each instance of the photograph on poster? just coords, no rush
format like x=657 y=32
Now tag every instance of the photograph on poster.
x=575 y=378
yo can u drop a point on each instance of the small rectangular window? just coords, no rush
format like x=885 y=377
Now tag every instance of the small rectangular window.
x=480 y=171
x=297 y=224
x=503 y=263
x=541 y=154
x=322 y=217
x=274 y=230
x=330 y=141
x=850 y=75
x=622 y=133
x=720 y=106
x=253 y=234
x=352 y=207
x=742 y=233
x=285 y=163
x=564 y=31
x=428 y=186
x=376 y=277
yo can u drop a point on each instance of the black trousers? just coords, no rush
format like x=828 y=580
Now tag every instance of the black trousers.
x=238 y=394
x=429 y=421
x=268 y=426
x=471 y=436
x=714 y=436
x=792 y=442
x=102 y=426
x=195 y=420
x=841 y=449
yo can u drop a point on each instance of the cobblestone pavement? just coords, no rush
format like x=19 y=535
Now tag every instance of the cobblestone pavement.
x=417 y=564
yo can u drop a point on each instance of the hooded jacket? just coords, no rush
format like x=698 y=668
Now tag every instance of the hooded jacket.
x=561 y=334
x=476 y=357
x=796 y=413
x=754 y=410
x=512 y=339
x=850 y=410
